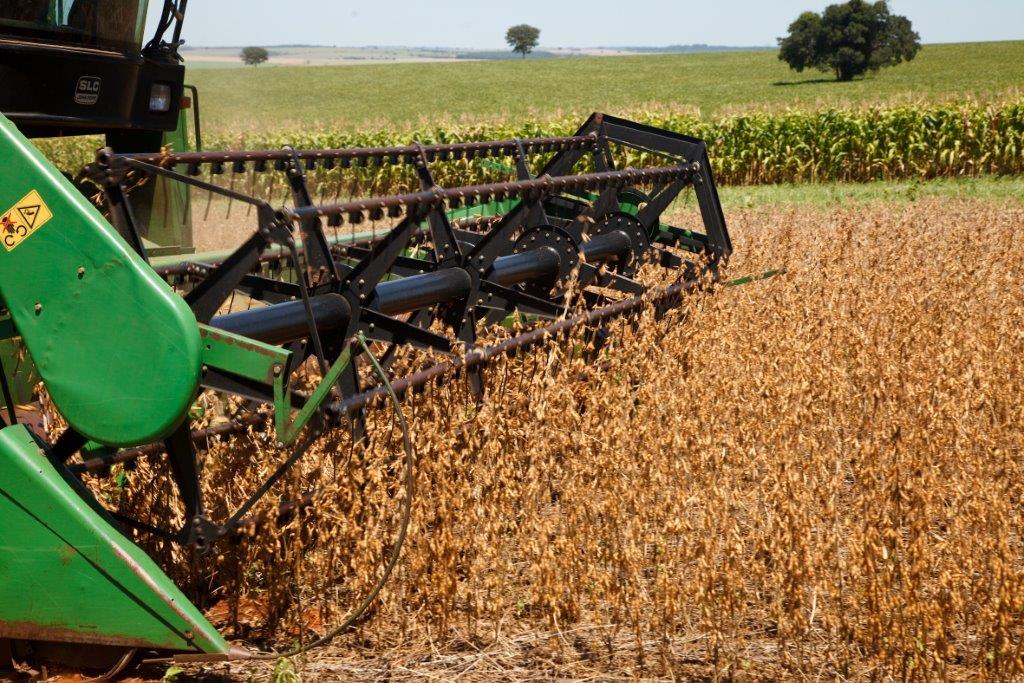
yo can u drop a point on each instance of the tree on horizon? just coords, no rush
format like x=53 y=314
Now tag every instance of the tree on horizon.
x=849 y=39
x=523 y=38
x=254 y=56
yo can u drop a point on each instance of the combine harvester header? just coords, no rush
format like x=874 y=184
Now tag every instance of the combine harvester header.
x=125 y=348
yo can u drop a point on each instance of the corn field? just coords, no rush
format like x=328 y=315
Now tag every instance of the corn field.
x=818 y=475
x=833 y=145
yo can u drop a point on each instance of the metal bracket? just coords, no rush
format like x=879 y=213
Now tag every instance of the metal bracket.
x=320 y=266
x=267 y=365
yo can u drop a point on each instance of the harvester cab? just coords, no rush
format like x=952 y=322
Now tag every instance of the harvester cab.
x=338 y=299
x=84 y=67
x=74 y=67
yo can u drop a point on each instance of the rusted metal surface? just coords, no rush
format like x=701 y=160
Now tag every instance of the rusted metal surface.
x=23 y=630
x=236 y=653
x=453 y=198
x=200 y=437
x=476 y=224
x=360 y=155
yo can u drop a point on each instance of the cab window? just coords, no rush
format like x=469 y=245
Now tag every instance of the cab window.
x=105 y=24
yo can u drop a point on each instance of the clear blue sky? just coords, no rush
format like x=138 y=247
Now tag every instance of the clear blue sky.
x=563 y=23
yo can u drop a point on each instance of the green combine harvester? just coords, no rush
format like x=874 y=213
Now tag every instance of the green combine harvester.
x=125 y=342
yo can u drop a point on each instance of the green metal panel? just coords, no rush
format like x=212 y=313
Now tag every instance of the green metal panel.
x=20 y=370
x=67 y=575
x=242 y=356
x=118 y=349
x=17 y=364
x=264 y=363
x=169 y=227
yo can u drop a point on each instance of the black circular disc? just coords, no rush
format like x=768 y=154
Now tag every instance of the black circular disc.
x=562 y=242
x=634 y=229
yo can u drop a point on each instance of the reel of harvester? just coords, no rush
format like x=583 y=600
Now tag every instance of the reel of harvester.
x=124 y=356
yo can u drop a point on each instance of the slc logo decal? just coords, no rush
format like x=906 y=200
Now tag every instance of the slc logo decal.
x=87 y=91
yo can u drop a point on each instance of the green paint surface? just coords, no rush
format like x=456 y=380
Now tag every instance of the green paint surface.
x=118 y=349
x=169 y=223
x=67 y=575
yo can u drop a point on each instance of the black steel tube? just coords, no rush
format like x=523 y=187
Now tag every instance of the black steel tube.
x=282 y=323
x=420 y=291
x=668 y=297
x=606 y=246
x=536 y=264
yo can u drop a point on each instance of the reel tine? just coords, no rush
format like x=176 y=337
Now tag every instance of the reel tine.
x=251 y=177
x=234 y=176
x=209 y=197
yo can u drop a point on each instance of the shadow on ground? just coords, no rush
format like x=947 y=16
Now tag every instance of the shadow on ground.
x=808 y=81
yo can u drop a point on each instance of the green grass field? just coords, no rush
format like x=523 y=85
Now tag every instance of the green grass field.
x=996 y=189
x=404 y=96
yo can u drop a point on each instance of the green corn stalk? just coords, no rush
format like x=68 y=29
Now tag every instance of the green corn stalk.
x=880 y=143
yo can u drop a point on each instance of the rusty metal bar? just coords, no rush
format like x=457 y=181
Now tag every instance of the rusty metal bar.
x=270 y=256
x=403 y=153
x=456 y=197
x=667 y=296
x=200 y=437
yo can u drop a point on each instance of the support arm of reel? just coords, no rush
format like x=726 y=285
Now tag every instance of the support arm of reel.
x=266 y=366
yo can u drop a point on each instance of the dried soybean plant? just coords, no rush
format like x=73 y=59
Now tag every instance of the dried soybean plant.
x=819 y=474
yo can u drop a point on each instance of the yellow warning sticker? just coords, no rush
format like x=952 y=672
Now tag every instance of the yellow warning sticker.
x=23 y=219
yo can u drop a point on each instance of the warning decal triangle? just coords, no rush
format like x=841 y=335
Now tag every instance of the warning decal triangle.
x=29 y=214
